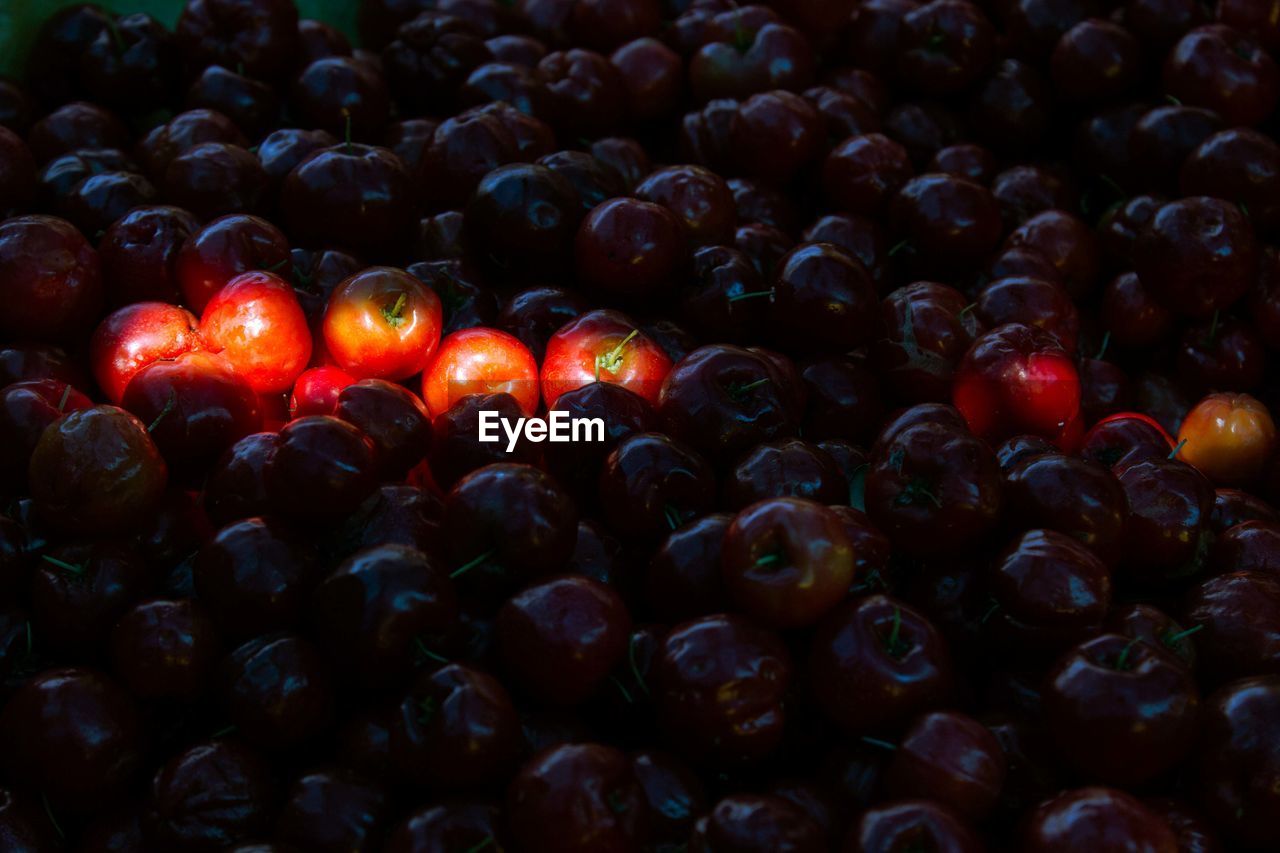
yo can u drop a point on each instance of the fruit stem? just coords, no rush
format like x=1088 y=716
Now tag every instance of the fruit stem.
x=877 y=742
x=769 y=560
x=62 y=402
x=738 y=391
x=751 y=295
x=991 y=611
x=626 y=694
x=610 y=360
x=672 y=515
x=223 y=732
x=466 y=567
x=44 y=799
x=894 y=645
x=1122 y=659
x=421 y=648
x=635 y=668
x=117 y=37
x=488 y=839
x=346 y=134
x=1174 y=639
x=1102 y=350
x=74 y=568
x=395 y=314
x=1173 y=454
x=900 y=246
x=164 y=413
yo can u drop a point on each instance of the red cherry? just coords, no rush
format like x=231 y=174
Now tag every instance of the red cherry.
x=603 y=346
x=480 y=360
x=316 y=391
x=224 y=249
x=256 y=323
x=133 y=337
x=1017 y=379
x=382 y=323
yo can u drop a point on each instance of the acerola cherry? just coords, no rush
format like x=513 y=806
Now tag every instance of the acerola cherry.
x=951 y=758
x=1124 y=438
x=316 y=391
x=52 y=281
x=480 y=361
x=382 y=323
x=26 y=411
x=224 y=249
x=1229 y=437
x=603 y=346
x=393 y=418
x=96 y=471
x=195 y=407
x=1018 y=379
x=134 y=336
x=787 y=561
x=256 y=324
x=322 y=468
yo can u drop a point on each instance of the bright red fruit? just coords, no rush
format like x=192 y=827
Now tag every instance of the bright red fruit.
x=480 y=361
x=603 y=346
x=382 y=323
x=256 y=323
x=316 y=391
x=136 y=335
x=1018 y=379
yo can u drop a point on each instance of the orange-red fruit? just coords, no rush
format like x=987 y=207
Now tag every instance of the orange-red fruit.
x=1228 y=437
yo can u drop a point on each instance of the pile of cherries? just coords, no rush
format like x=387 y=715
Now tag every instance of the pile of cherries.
x=938 y=503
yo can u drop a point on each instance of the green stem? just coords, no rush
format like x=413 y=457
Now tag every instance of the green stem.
x=62 y=402
x=164 y=413
x=62 y=564
x=1174 y=639
x=610 y=360
x=468 y=566
x=1173 y=454
x=750 y=295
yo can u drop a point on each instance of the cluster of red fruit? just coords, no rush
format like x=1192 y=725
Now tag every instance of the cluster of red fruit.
x=891 y=311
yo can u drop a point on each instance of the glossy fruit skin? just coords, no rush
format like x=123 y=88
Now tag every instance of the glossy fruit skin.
x=629 y=249
x=393 y=418
x=456 y=448
x=480 y=361
x=316 y=391
x=178 y=813
x=560 y=639
x=563 y=799
x=382 y=323
x=468 y=822
x=724 y=400
x=875 y=661
x=927 y=328
x=900 y=823
x=792 y=467
x=96 y=471
x=755 y=822
x=349 y=195
x=697 y=660
x=683 y=580
x=75 y=734
x=1078 y=497
x=332 y=809
x=1169 y=511
x=236 y=485
x=786 y=561
x=247 y=312
x=651 y=484
x=1088 y=817
x=862 y=173
x=511 y=549
x=75 y=603
x=523 y=217
x=598 y=346
x=322 y=468
x=1031 y=302
x=253 y=577
x=196 y=406
x=933 y=489
x=950 y=758
x=1197 y=255
x=223 y=249
x=53 y=281
x=165 y=649
x=138 y=254
x=1235 y=761
x=823 y=300
x=26 y=410
x=454 y=729
x=135 y=336
x=1240 y=611
x=1018 y=379
x=1049 y=592
x=278 y=691
x=1139 y=704
x=1228 y=437
x=1217 y=67
x=1121 y=439
x=947 y=221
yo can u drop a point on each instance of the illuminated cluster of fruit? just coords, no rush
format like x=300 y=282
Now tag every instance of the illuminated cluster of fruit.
x=937 y=505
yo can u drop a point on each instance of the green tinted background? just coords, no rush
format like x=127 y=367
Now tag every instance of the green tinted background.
x=20 y=20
